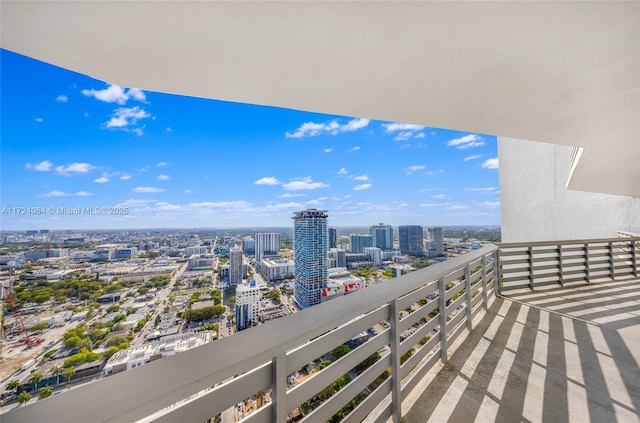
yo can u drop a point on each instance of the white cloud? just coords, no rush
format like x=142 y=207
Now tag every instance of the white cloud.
x=289 y=195
x=312 y=129
x=405 y=146
x=267 y=180
x=468 y=141
x=169 y=129
x=83 y=194
x=419 y=135
x=115 y=94
x=356 y=148
x=55 y=194
x=435 y=172
x=189 y=191
x=490 y=163
x=403 y=136
x=147 y=189
x=313 y=202
x=163 y=178
x=162 y=164
x=458 y=207
x=86 y=114
x=101 y=180
x=433 y=204
x=392 y=127
x=43 y=166
x=361 y=178
x=342 y=171
x=124 y=117
x=327 y=150
x=125 y=177
x=39 y=120
x=439 y=196
x=74 y=168
x=484 y=189
x=303 y=184
x=361 y=187
x=409 y=170
x=477 y=156
x=62 y=98
x=491 y=204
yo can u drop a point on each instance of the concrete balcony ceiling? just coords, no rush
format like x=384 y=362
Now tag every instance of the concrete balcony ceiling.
x=558 y=72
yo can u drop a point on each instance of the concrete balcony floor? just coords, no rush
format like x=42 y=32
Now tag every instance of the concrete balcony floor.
x=554 y=355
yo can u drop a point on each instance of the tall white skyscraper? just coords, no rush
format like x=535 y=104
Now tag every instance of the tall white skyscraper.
x=267 y=244
x=235 y=266
x=248 y=298
x=435 y=242
x=311 y=262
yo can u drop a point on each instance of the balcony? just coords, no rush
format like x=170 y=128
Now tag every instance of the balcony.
x=537 y=331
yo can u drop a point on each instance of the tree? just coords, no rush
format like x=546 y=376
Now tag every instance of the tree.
x=35 y=378
x=340 y=351
x=45 y=392
x=24 y=397
x=39 y=326
x=12 y=385
x=57 y=371
x=68 y=373
x=232 y=302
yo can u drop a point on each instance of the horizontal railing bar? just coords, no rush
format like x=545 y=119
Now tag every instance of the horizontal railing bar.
x=454 y=290
x=417 y=316
x=453 y=276
x=413 y=297
x=415 y=337
x=419 y=355
x=419 y=372
x=302 y=392
x=565 y=242
x=370 y=402
x=261 y=415
x=331 y=406
x=320 y=346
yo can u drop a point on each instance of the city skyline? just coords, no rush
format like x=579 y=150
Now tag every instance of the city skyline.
x=73 y=143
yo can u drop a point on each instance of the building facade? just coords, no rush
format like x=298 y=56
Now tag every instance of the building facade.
x=382 y=236
x=248 y=298
x=235 y=266
x=267 y=244
x=311 y=262
x=435 y=242
x=359 y=242
x=410 y=238
x=333 y=237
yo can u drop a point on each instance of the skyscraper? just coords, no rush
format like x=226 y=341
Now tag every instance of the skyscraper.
x=382 y=236
x=235 y=266
x=435 y=242
x=311 y=262
x=359 y=242
x=333 y=237
x=411 y=240
x=267 y=244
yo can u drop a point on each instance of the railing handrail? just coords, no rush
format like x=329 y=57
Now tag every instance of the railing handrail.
x=564 y=242
x=137 y=393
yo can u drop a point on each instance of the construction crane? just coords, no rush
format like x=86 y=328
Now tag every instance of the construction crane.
x=18 y=324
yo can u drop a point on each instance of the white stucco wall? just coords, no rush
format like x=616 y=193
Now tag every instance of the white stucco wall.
x=536 y=206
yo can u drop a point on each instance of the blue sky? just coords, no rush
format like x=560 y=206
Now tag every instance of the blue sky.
x=71 y=141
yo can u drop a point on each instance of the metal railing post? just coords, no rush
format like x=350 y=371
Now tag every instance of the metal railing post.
x=560 y=266
x=467 y=295
x=279 y=389
x=530 y=252
x=586 y=263
x=442 y=305
x=634 y=259
x=496 y=271
x=612 y=269
x=485 y=304
x=396 y=392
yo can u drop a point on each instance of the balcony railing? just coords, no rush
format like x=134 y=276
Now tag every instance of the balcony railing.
x=439 y=302
x=542 y=263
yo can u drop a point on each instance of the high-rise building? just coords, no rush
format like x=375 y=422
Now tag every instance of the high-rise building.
x=375 y=254
x=410 y=237
x=382 y=236
x=359 y=242
x=435 y=242
x=248 y=246
x=333 y=237
x=267 y=244
x=311 y=262
x=340 y=257
x=235 y=266
x=248 y=298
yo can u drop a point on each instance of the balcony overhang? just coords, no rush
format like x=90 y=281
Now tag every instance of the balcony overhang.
x=558 y=72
